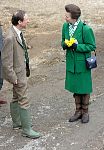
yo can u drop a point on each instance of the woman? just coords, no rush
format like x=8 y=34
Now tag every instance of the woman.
x=78 y=40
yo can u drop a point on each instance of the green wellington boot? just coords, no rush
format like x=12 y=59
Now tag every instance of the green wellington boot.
x=15 y=114
x=26 y=125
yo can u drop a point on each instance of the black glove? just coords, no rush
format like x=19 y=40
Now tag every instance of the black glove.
x=74 y=46
x=65 y=47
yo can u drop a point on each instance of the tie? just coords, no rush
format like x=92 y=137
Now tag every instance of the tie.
x=25 y=48
x=26 y=55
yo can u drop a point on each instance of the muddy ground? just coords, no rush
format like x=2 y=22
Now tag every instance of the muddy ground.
x=51 y=105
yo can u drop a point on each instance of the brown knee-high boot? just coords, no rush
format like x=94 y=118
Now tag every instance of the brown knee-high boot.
x=78 y=111
x=85 y=103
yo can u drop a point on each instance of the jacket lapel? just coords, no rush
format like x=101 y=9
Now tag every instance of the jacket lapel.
x=16 y=36
x=19 y=42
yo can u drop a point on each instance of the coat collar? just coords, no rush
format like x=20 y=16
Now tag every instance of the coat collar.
x=79 y=28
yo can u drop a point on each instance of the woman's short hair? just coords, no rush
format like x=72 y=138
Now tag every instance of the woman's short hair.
x=19 y=15
x=73 y=10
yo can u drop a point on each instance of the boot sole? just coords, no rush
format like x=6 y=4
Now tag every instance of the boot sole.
x=75 y=119
x=17 y=128
x=36 y=137
x=85 y=121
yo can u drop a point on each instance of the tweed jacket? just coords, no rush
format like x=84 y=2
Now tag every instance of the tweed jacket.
x=13 y=57
x=75 y=60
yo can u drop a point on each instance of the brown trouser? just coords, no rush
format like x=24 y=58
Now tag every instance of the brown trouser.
x=20 y=93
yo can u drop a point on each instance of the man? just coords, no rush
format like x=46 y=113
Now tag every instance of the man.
x=15 y=58
x=1 y=77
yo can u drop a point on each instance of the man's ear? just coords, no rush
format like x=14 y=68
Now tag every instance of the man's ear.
x=19 y=22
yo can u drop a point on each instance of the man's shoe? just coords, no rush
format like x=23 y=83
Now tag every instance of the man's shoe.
x=75 y=117
x=85 y=118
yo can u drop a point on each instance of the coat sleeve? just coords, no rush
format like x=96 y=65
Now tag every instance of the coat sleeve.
x=88 y=40
x=7 y=61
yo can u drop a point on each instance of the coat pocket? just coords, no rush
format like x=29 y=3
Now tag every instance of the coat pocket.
x=80 y=66
x=80 y=57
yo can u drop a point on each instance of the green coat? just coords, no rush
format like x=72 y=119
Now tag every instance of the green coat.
x=78 y=78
